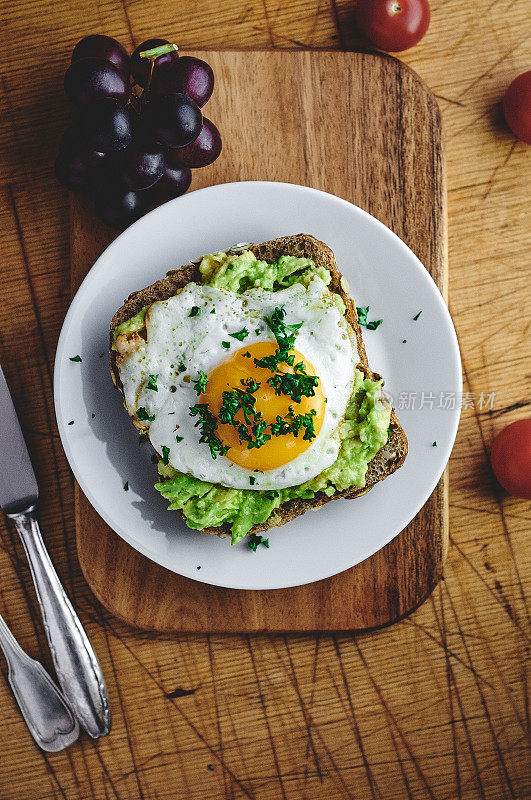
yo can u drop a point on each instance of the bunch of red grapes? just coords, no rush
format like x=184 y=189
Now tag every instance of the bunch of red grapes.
x=133 y=142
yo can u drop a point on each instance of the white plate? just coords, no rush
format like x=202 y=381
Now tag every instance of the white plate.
x=102 y=444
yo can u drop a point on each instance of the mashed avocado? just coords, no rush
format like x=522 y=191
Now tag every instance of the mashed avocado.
x=132 y=325
x=237 y=273
x=363 y=432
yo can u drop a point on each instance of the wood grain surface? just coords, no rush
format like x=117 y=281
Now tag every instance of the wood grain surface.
x=432 y=707
x=346 y=119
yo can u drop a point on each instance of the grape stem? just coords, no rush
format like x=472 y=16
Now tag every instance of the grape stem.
x=155 y=52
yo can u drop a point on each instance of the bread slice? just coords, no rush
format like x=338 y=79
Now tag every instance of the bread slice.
x=384 y=463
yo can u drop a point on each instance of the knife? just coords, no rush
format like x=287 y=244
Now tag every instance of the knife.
x=76 y=665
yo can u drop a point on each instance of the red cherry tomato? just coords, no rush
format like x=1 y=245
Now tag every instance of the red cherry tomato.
x=517 y=107
x=393 y=24
x=510 y=457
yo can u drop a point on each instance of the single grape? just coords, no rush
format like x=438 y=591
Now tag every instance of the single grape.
x=187 y=75
x=140 y=165
x=173 y=183
x=106 y=125
x=105 y=47
x=72 y=140
x=92 y=78
x=118 y=208
x=141 y=67
x=174 y=119
x=201 y=152
x=78 y=171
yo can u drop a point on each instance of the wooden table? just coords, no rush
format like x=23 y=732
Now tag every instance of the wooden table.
x=432 y=707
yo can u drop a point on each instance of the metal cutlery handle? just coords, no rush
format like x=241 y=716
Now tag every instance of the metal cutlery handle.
x=47 y=715
x=76 y=665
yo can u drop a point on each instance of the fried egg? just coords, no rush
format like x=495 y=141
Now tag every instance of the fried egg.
x=204 y=342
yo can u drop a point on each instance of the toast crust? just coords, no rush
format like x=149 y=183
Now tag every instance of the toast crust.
x=385 y=462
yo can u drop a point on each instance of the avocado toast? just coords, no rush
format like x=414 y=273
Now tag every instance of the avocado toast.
x=372 y=443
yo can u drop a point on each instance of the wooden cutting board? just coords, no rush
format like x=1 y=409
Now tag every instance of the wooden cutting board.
x=366 y=128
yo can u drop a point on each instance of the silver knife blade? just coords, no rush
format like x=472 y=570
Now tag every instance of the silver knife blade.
x=18 y=485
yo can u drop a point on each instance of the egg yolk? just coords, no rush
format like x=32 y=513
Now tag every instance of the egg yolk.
x=278 y=450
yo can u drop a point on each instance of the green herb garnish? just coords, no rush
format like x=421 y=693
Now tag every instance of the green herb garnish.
x=292 y=423
x=71 y=422
x=434 y=444
x=240 y=335
x=225 y=344
x=208 y=424
x=165 y=454
x=178 y=438
x=362 y=319
x=200 y=383
x=195 y=311
x=252 y=480
x=295 y=386
x=153 y=383
x=272 y=362
x=246 y=355
x=213 y=311
x=253 y=432
x=284 y=334
x=76 y=358
x=417 y=316
x=143 y=415
x=126 y=486
x=255 y=540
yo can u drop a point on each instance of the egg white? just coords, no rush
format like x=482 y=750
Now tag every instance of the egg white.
x=174 y=338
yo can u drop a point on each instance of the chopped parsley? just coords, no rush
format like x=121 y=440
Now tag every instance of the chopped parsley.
x=152 y=384
x=252 y=480
x=208 y=424
x=71 y=422
x=284 y=334
x=195 y=311
x=213 y=310
x=255 y=540
x=126 y=486
x=295 y=385
x=257 y=331
x=225 y=344
x=143 y=415
x=93 y=416
x=404 y=341
x=272 y=362
x=165 y=454
x=417 y=316
x=253 y=432
x=200 y=383
x=246 y=355
x=240 y=335
x=257 y=437
x=362 y=319
x=178 y=438
x=292 y=423
x=434 y=444
x=76 y=358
